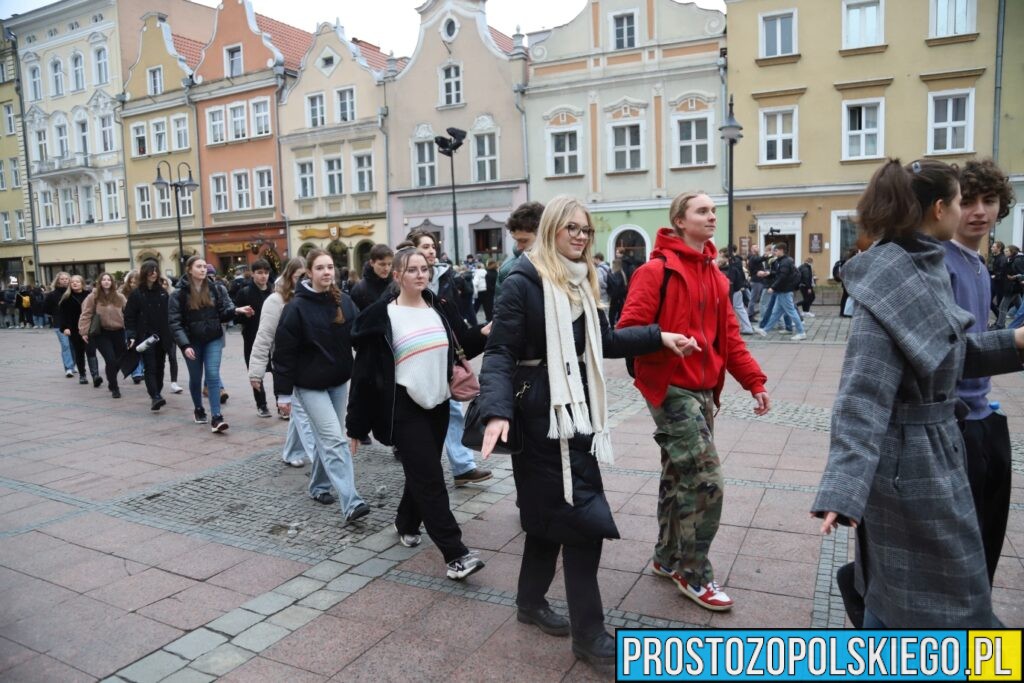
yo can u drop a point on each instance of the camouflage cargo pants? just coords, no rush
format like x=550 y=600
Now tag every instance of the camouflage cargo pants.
x=691 y=491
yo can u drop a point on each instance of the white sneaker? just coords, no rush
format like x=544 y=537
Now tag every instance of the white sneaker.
x=176 y=388
x=408 y=540
x=759 y=331
x=808 y=315
x=464 y=566
x=799 y=337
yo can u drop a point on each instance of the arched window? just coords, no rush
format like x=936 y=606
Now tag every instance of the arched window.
x=102 y=66
x=77 y=72
x=56 y=78
x=35 y=83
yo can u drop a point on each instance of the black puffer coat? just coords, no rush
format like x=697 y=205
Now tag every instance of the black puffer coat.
x=370 y=288
x=52 y=306
x=518 y=335
x=371 y=405
x=311 y=351
x=146 y=313
x=203 y=324
x=69 y=310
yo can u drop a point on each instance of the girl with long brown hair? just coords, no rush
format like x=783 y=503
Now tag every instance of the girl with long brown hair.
x=107 y=303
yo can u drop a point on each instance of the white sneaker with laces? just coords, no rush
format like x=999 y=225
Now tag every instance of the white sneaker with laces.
x=464 y=566
x=799 y=337
x=176 y=388
x=408 y=540
x=709 y=596
x=759 y=331
x=808 y=315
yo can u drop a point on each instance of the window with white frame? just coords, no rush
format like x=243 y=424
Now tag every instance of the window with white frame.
x=624 y=28
x=3 y=175
x=863 y=23
x=111 y=201
x=215 y=132
x=425 y=164
x=233 y=61
x=627 y=149
x=315 y=115
x=138 y=139
x=5 y=218
x=451 y=84
x=46 y=208
x=218 y=193
x=346 y=98
x=236 y=113
x=778 y=34
x=159 y=130
x=953 y=17
x=35 y=83
x=333 y=176
x=264 y=188
x=863 y=129
x=67 y=205
x=19 y=216
x=9 y=119
x=77 y=72
x=56 y=78
x=155 y=80
x=364 y=171
x=61 y=134
x=85 y=195
x=241 y=196
x=15 y=172
x=778 y=135
x=693 y=140
x=107 y=132
x=163 y=202
x=179 y=132
x=261 y=117
x=564 y=152
x=41 y=146
x=82 y=129
x=102 y=65
x=485 y=155
x=951 y=121
x=185 y=202
x=143 y=203
x=305 y=182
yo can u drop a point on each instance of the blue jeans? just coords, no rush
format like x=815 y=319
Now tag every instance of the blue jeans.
x=460 y=457
x=65 y=351
x=207 y=359
x=872 y=622
x=783 y=306
x=1018 y=319
x=39 y=320
x=300 y=443
x=326 y=411
x=767 y=306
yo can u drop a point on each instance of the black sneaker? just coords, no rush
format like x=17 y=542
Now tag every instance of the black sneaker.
x=324 y=498
x=82 y=379
x=158 y=403
x=115 y=392
x=96 y=382
x=137 y=379
x=474 y=476
x=224 y=396
x=262 y=411
x=217 y=424
x=200 y=416
x=361 y=511
x=464 y=566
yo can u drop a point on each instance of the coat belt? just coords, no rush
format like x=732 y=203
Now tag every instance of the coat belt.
x=924 y=413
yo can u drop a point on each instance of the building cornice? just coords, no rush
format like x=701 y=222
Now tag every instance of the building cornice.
x=56 y=11
x=618 y=79
x=215 y=89
x=342 y=132
x=785 y=92
x=140 y=108
x=866 y=83
x=801 y=190
x=951 y=74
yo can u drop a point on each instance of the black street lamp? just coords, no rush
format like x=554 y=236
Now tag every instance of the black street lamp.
x=731 y=133
x=178 y=185
x=448 y=146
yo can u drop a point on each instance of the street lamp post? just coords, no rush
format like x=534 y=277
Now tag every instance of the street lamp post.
x=178 y=185
x=731 y=133
x=448 y=146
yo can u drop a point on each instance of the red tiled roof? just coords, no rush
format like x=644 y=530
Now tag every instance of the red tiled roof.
x=504 y=42
x=377 y=60
x=190 y=50
x=292 y=42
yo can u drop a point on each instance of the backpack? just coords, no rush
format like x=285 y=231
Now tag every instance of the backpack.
x=661 y=302
x=26 y=301
x=806 y=276
x=616 y=286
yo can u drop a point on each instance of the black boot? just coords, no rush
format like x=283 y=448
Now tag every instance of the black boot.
x=82 y=379
x=549 y=622
x=598 y=649
x=94 y=370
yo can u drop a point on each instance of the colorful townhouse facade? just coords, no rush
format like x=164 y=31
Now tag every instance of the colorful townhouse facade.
x=624 y=104
x=333 y=150
x=464 y=75
x=1010 y=115
x=17 y=259
x=826 y=91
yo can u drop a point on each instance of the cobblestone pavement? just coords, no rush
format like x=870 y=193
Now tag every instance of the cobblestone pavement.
x=140 y=547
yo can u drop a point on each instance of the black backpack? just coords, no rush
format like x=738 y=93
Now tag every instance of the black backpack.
x=661 y=302
x=616 y=285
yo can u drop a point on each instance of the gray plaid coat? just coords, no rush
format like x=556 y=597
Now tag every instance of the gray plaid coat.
x=896 y=459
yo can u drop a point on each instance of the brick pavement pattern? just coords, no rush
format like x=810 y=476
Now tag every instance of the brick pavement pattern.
x=140 y=547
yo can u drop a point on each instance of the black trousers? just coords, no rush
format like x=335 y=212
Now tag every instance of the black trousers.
x=579 y=565
x=808 y=299
x=842 y=304
x=83 y=351
x=153 y=367
x=110 y=344
x=419 y=442
x=987 y=450
x=259 y=394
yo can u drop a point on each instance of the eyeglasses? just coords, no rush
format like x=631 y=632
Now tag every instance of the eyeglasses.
x=575 y=230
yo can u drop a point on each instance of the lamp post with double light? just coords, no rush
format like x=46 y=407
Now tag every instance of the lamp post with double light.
x=179 y=185
x=448 y=146
x=731 y=133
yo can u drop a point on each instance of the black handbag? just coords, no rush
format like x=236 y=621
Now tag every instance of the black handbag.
x=473 y=434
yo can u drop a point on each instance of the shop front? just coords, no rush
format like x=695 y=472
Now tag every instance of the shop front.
x=348 y=242
x=226 y=249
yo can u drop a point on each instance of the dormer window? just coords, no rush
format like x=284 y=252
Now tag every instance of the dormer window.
x=624 y=30
x=155 y=81
x=327 y=62
x=449 y=29
x=233 y=61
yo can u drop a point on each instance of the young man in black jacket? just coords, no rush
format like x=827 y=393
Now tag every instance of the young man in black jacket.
x=755 y=264
x=785 y=279
x=254 y=294
x=376 y=277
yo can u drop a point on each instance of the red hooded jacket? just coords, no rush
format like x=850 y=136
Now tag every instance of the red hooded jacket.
x=697 y=304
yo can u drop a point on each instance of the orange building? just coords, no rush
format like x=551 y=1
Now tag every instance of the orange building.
x=243 y=70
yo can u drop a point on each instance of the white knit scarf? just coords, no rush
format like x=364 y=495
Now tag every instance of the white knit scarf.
x=570 y=412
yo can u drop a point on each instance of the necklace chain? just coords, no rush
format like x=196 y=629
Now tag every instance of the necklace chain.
x=977 y=262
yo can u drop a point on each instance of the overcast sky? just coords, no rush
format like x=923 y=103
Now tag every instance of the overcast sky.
x=392 y=24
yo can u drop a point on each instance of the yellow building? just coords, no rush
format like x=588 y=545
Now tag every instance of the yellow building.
x=826 y=90
x=1011 y=118
x=16 y=257
x=161 y=139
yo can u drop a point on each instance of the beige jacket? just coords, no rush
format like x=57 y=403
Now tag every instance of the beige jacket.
x=111 y=315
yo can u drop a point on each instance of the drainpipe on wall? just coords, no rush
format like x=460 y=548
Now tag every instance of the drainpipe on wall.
x=519 y=89
x=279 y=77
x=998 y=105
x=24 y=143
x=121 y=98
x=382 y=114
x=724 y=97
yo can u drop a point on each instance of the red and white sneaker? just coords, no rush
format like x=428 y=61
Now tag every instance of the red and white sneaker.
x=709 y=596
